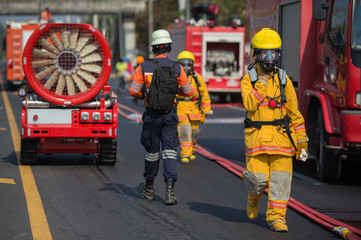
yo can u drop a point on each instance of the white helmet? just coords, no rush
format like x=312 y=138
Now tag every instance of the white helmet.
x=161 y=37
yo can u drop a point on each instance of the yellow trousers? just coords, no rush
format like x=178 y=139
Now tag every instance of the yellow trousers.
x=274 y=171
x=188 y=131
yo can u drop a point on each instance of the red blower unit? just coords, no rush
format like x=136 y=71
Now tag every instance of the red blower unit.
x=70 y=107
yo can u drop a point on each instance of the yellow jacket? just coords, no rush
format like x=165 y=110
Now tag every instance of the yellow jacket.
x=188 y=107
x=271 y=139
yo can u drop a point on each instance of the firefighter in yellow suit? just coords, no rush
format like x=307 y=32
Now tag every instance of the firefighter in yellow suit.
x=274 y=130
x=191 y=110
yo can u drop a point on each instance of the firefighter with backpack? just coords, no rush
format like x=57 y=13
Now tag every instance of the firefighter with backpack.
x=274 y=130
x=158 y=80
x=191 y=110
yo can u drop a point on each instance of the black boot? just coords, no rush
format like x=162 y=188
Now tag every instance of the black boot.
x=147 y=189
x=169 y=193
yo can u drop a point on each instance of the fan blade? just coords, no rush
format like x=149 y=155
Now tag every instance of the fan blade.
x=45 y=73
x=81 y=85
x=56 y=41
x=64 y=37
x=91 y=68
x=60 y=86
x=81 y=43
x=42 y=54
x=70 y=85
x=54 y=77
x=95 y=57
x=73 y=38
x=88 y=49
x=88 y=77
x=43 y=63
x=45 y=44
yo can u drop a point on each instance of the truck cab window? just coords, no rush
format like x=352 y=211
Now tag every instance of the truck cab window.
x=338 y=27
x=356 y=27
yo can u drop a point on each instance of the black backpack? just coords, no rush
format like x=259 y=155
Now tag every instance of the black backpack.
x=163 y=88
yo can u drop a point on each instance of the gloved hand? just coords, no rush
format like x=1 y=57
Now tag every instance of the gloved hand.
x=203 y=118
x=263 y=77
x=204 y=115
x=300 y=146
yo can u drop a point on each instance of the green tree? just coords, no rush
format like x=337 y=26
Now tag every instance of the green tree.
x=164 y=12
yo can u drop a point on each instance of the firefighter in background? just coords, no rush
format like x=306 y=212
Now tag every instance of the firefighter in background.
x=159 y=127
x=274 y=130
x=139 y=60
x=125 y=71
x=191 y=110
x=45 y=15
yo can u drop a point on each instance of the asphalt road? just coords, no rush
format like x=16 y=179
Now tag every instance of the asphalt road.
x=82 y=200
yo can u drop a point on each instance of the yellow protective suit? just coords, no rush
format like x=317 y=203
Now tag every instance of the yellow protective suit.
x=269 y=150
x=190 y=115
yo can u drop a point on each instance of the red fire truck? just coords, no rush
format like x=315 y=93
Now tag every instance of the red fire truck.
x=321 y=52
x=17 y=34
x=219 y=54
x=69 y=107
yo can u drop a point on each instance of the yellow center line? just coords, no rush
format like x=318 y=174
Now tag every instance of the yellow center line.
x=2 y=129
x=7 y=180
x=38 y=222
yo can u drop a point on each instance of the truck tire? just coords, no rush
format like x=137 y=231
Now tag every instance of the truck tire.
x=328 y=164
x=29 y=151
x=108 y=152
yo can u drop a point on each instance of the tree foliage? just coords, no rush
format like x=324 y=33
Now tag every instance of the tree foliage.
x=164 y=12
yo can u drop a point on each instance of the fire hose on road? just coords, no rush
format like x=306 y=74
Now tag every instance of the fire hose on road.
x=341 y=229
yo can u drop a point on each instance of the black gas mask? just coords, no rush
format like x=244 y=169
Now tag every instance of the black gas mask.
x=268 y=59
x=187 y=65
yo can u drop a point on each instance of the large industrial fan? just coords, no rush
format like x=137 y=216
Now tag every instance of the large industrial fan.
x=67 y=64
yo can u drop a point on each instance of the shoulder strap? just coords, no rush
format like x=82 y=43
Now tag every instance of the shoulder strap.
x=283 y=81
x=199 y=93
x=282 y=76
x=253 y=75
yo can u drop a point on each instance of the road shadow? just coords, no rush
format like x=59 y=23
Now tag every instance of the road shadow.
x=11 y=158
x=227 y=213
x=65 y=159
x=129 y=191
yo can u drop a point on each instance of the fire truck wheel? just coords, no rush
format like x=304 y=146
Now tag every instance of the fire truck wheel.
x=108 y=152
x=28 y=153
x=328 y=163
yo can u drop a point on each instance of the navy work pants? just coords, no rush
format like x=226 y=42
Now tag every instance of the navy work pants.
x=160 y=132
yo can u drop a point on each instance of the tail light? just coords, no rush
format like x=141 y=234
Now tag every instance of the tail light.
x=67 y=64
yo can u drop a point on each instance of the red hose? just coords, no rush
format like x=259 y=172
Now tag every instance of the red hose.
x=317 y=217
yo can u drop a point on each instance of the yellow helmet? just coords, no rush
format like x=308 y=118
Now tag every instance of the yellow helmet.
x=266 y=39
x=186 y=59
x=187 y=55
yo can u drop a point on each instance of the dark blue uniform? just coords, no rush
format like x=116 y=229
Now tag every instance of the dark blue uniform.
x=159 y=128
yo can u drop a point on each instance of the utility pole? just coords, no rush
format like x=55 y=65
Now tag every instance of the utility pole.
x=120 y=24
x=150 y=22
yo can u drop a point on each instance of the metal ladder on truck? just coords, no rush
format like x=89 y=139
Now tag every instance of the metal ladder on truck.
x=17 y=52
x=196 y=45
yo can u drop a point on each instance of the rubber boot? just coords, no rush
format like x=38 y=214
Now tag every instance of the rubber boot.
x=170 y=199
x=185 y=160
x=279 y=226
x=252 y=207
x=147 y=189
